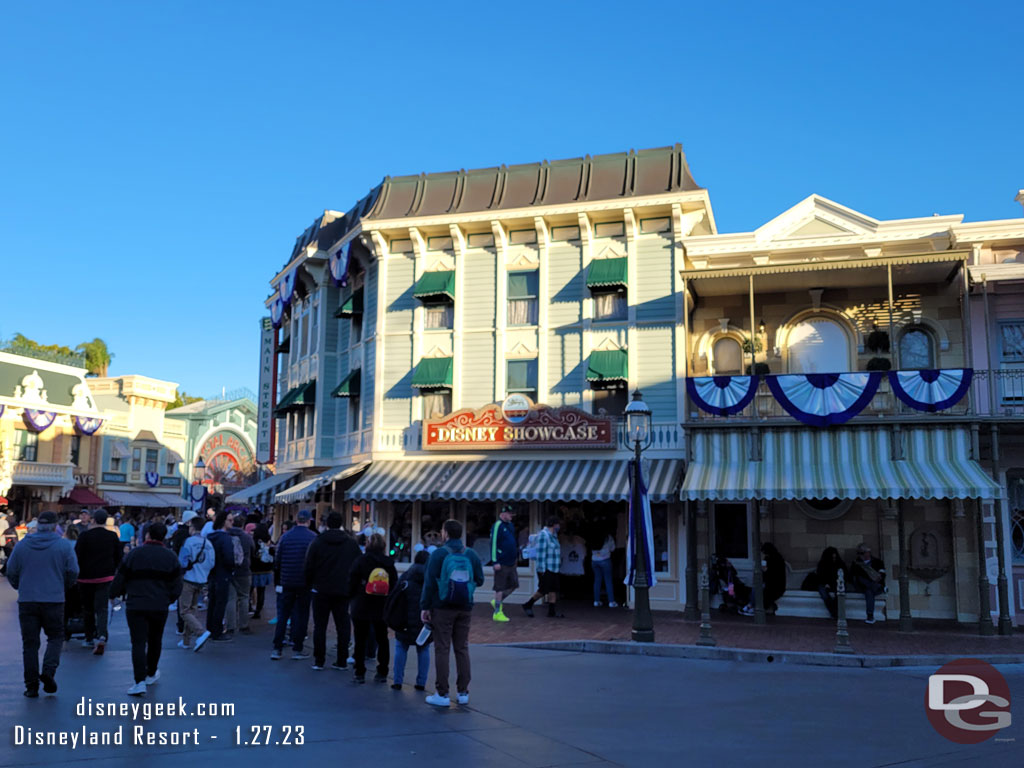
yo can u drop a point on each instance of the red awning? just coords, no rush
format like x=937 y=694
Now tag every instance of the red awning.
x=83 y=497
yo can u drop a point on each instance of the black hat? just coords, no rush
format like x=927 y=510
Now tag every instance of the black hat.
x=47 y=518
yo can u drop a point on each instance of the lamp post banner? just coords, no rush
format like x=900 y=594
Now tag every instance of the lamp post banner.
x=645 y=522
x=265 y=413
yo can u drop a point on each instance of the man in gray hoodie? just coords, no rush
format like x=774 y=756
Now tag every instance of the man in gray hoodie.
x=41 y=566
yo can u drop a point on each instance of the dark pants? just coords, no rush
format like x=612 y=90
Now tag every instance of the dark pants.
x=451 y=631
x=292 y=603
x=261 y=594
x=146 y=629
x=830 y=599
x=379 y=630
x=871 y=590
x=94 y=609
x=33 y=617
x=219 y=585
x=324 y=607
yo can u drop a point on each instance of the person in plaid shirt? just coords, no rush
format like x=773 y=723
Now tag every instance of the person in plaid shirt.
x=549 y=560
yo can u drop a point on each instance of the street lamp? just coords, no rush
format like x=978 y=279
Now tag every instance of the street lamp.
x=638 y=432
x=200 y=471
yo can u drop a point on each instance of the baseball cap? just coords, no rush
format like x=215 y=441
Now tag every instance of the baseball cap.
x=187 y=515
x=304 y=515
x=48 y=518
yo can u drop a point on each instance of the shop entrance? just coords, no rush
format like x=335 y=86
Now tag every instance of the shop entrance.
x=585 y=527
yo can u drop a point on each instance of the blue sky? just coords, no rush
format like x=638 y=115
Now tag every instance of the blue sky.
x=159 y=159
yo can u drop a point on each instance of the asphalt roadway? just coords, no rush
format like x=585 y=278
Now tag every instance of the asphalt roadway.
x=527 y=708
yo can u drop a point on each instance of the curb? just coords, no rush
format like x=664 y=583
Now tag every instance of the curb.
x=757 y=656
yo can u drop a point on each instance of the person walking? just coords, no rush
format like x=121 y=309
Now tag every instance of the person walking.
x=262 y=567
x=41 y=567
x=220 y=578
x=411 y=582
x=505 y=558
x=197 y=558
x=150 y=579
x=241 y=581
x=293 y=594
x=549 y=560
x=453 y=573
x=328 y=565
x=99 y=553
x=371 y=579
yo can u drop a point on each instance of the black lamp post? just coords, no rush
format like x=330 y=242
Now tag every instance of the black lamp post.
x=638 y=432
x=200 y=471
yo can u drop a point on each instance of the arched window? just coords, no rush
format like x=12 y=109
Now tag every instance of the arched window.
x=726 y=357
x=818 y=345
x=917 y=350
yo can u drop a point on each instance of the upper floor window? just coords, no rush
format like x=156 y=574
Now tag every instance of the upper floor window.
x=304 y=328
x=28 y=445
x=439 y=314
x=171 y=468
x=819 y=345
x=151 y=459
x=611 y=400
x=726 y=357
x=1011 y=341
x=916 y=349
x=436 y=403
x=76 y=449
x=136 y=459
x=611 y=305
x=523 y=291
x=521 y=377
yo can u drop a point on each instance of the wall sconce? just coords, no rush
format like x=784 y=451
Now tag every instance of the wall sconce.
x=761 y=327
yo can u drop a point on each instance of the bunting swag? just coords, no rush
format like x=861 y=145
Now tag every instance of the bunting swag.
x=87 y=425
x=287 y=288
x=824 y=399
x=722 y=395
x=931 y=390
x=276 y=312
x=645 y=523
x=152 y=479
x=339 y=264
x=39 y=421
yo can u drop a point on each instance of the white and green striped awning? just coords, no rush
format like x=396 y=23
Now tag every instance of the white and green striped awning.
x=836 y=464
x=558 y=480
x=264 y=491
x=305 y=490
x=400 y=481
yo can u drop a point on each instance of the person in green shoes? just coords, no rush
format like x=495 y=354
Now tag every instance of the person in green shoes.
x=504 y=557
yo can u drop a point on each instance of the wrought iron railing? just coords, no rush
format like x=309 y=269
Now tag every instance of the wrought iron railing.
x=75 y=361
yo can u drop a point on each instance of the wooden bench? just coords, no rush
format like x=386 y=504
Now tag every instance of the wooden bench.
x=798 y=602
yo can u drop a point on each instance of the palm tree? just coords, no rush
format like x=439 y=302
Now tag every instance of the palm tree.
x=97 y=356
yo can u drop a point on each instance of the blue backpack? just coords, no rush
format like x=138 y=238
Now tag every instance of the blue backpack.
x=455 y=585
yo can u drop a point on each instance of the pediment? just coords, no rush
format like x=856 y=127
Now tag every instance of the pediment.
x=438 y=352
x=521 y=350
x=816 y=217
x=612 y=251
x=609 y=345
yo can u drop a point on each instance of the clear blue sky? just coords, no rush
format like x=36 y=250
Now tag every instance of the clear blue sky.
x=159 y=159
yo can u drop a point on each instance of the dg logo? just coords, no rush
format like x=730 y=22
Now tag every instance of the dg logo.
x=968 y=701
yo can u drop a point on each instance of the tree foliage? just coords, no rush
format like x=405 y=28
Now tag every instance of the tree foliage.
x=181 y=397
x=97 y=356
x=22 y=342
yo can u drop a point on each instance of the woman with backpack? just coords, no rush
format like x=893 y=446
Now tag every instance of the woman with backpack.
x=262 y=566
x=403 y=615
x=371 y=580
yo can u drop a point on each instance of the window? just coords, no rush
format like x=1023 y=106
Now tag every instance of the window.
x=115 y=464
x=521 y=377
x=293 y=347
x=300 y=424
x=731 y=537
x=355 y=333
x=432 y=517
x=151 y=459
x=611 y=401
x=313 y=325
x=171 y=468
x=354 y=414
x=659 y=525
x=610 y=305
x=916 y=349
x=439 y=314
x=436 y=403
x=819 y=345
x=136 y=459
x=28 y=445
x=523 y=290
x=479 y=519
x=1011 y=362
x=76 y=449
x=304 y=328
x=400 y=533
x=726 y=357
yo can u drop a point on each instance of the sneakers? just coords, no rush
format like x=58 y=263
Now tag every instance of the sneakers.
x=528 y=610
x=360 y=679
x=299 y=656
x=101 y=645
x=181 y=644
x=153 y=678
x=463 y=698
x=223 y=639
x=139 y=689
x=276 y=655
x=396 y=686
x=746 y=610
x=201 y=640
x=32 y=693
x=318 y=667
x=613 y=604
x=500 y=617
x=350 y=660
x=87 y=643
x=869 y=621
x=380 y=678
x=49 y=684
x=173 y=606
x=598 y=603
x=341 y=667
x=494 y=605
x=437 y=700
x=419 y=687
x=273 y=620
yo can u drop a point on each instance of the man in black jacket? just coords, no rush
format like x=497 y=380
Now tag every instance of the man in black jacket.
x=328 y=564
x=371 y=579
x=99 y=552
x=220 y=578
x=150 y=577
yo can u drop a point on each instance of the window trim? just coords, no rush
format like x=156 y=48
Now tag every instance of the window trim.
x=932 y=342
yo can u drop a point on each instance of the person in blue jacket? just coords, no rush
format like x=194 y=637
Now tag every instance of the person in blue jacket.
x=293 y=594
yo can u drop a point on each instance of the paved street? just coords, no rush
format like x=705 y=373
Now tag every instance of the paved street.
x=529 y=708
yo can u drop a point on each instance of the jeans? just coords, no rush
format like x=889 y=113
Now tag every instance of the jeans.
x=324 y=607
x=830 y=599
x=379 y=631
x=219 y=587
x=422 y=662
x=292 y=603
x=451 y=632
x=94 y=609
x=603 y=575
x=871 y=589
x=188 y=610
x=146 y=629
x=238 y=602
x=33 y=617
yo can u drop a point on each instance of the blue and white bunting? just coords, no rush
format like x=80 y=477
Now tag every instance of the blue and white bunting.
x=276 y=312
x=152 y=479
x=647 y=530
x=722 y=395
x=931 y=390
x=286 y=289
x=87 y=425
x=824 y=399
x=339 y=264
x=39 y=421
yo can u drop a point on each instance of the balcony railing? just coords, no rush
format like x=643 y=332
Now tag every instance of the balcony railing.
x=40 y=473
x=998 y=393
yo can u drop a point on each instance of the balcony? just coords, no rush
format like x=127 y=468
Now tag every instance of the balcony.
x=40 y=474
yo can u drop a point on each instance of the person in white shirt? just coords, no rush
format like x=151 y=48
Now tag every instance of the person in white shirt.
x=601 y=561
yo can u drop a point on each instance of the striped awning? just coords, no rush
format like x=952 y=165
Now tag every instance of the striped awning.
x=558 y=480
x=837 y=464
x=149 y=500
x=401 y=481
x=265 y=490
x=307 y=488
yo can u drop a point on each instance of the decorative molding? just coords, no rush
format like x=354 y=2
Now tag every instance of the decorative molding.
x=458 y=240
x=524 y=260
x=419 y=243
x=543 y=233
x=31 y=389
x=586 y=230
x=816 y=298
x=500 y=237
x=437 y=352
x=521 y=351
x=611 y=251
x=609 y=345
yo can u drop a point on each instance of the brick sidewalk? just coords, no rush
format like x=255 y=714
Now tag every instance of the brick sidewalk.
x=584 y=622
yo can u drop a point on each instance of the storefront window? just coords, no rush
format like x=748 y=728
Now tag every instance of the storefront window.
x=400 y=533
x=432 y=517
x=731 y=539
x=659 y=524
x=480 y=518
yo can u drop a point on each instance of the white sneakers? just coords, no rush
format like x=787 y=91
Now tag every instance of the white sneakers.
x=201 y=639
x=181 y=644
x=139 y=689
x=153 y=678
x=434 y=699
x=597 y=603
x=463 y=698
x=613 y=604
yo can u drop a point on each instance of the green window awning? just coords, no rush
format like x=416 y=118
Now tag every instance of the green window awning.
x=304 y=394
x=353 y=305
x=608 y=366
x=285 y=346
x=523 y=285
x=435 y=284
x=433 y=372
x=607 y=273
x=349 y=386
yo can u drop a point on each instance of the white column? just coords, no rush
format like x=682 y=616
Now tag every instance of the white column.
x=543 y=249
x=501 y=307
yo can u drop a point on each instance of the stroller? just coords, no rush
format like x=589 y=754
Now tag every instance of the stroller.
x=725 y=581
